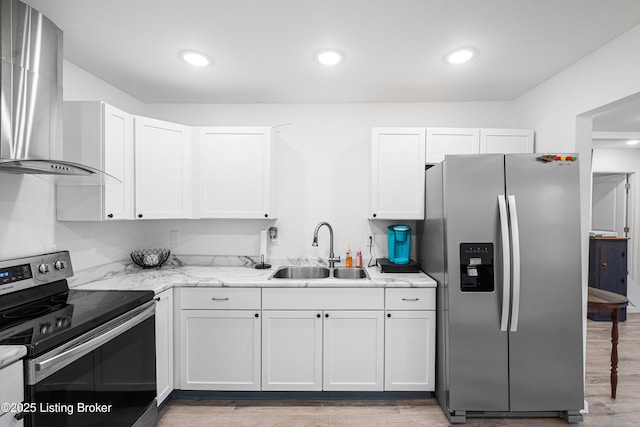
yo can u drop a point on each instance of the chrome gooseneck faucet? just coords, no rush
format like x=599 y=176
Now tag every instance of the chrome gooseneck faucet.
x=332 y=258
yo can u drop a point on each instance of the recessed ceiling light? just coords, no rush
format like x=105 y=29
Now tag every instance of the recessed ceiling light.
x=460 y=56
x=633 y=142
x=194 y=58
x=329 y=57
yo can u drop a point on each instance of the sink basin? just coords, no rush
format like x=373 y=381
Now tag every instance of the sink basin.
x=350 y=273
x=297 y=272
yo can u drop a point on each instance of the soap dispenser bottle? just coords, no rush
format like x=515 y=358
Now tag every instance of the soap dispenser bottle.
x=349 y=258
x=358 y=259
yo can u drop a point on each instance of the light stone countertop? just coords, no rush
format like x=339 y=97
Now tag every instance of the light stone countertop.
x=226 y=272
x=11 y=353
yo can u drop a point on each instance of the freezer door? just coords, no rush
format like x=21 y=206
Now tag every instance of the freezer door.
x=545 y=352
x=476 y=356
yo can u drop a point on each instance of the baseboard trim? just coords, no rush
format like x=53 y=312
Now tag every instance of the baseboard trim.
x=299 y=395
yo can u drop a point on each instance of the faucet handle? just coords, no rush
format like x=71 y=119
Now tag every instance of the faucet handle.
x=334 y=258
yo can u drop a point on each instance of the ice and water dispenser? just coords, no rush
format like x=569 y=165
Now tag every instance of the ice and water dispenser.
x=476 y=267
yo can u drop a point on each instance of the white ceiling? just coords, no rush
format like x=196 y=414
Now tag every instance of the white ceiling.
x=263 y=49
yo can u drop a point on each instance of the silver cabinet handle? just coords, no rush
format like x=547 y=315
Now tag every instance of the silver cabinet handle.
x=219 y=299
x=410 y=299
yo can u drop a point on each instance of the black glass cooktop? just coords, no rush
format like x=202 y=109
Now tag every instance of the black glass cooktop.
x=52 y=320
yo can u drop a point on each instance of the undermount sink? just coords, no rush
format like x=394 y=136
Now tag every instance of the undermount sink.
x=297 y=272
x=350 y=273
x=313 y=272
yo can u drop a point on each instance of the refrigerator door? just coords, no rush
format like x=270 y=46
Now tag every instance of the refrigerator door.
x=476 y=356
x=545 y=338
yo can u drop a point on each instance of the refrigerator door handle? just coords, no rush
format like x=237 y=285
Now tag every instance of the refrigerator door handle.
x=515 y=244
x=506 y=262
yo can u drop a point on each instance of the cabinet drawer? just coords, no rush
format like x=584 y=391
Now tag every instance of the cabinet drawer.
x=410 y=299
x=11 y=379
x=322 y=299
x=220 y=298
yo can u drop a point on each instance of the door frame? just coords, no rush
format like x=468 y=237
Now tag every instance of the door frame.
x=627 y=207
x=633 y=220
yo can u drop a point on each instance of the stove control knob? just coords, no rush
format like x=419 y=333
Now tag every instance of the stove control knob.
x=62 y=321
x=45 y=328
x=43 y=268
x=60 y=265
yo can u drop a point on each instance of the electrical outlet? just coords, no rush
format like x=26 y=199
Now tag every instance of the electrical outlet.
x=174 y=237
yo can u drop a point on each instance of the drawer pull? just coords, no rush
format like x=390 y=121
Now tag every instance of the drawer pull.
x=410 y=299
x=219 y=299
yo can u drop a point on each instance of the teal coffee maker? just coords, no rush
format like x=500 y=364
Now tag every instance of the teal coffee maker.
x=399 y=238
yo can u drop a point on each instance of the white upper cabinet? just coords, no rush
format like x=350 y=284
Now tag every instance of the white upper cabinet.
x=397 y=173
x=443 y=141
x=446 y=141
x=162 y=169
x=506 y=141
x=235 y=172
x=98 y=135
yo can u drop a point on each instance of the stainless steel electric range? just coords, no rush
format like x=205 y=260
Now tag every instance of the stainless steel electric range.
x=90 y=354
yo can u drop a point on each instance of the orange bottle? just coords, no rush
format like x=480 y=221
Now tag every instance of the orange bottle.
x=349 y=258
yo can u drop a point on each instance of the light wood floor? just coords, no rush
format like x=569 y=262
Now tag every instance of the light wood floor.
x=624 y=411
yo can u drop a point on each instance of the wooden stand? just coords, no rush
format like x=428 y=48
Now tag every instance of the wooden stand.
x=601 y=301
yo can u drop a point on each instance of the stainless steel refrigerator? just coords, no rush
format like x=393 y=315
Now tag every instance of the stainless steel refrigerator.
x=501 y=237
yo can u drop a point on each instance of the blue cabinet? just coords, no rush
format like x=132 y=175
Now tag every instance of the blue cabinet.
x=608 y=269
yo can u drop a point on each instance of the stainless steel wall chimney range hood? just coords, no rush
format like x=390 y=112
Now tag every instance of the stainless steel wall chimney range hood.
x=31 y=96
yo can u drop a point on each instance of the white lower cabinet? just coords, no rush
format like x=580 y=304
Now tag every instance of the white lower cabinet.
x=307 y=339
x=353 y=351
x=335 y=343
x=11 y=391
x=164 y=344
x=220 y=348
x=292 y=350
x=410 y=328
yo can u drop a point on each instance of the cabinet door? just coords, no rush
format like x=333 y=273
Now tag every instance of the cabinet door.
x=506 y=141
x=235 y=172
x=162 y=169
x=98 y=135
x=118 y=162
x=409 y=351
x=397 y=173
x=219 y=350
x=444 y=141
x=353 y=350
x=608 y=270
x=292 y=350
x=11 y=391
x=164 y=344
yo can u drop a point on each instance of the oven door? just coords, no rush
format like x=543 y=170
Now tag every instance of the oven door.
x=106 y=377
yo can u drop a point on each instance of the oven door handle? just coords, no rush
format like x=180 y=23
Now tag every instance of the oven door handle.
x=51 y=362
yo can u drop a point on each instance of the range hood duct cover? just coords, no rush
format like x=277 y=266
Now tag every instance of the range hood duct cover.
x=31 y=94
